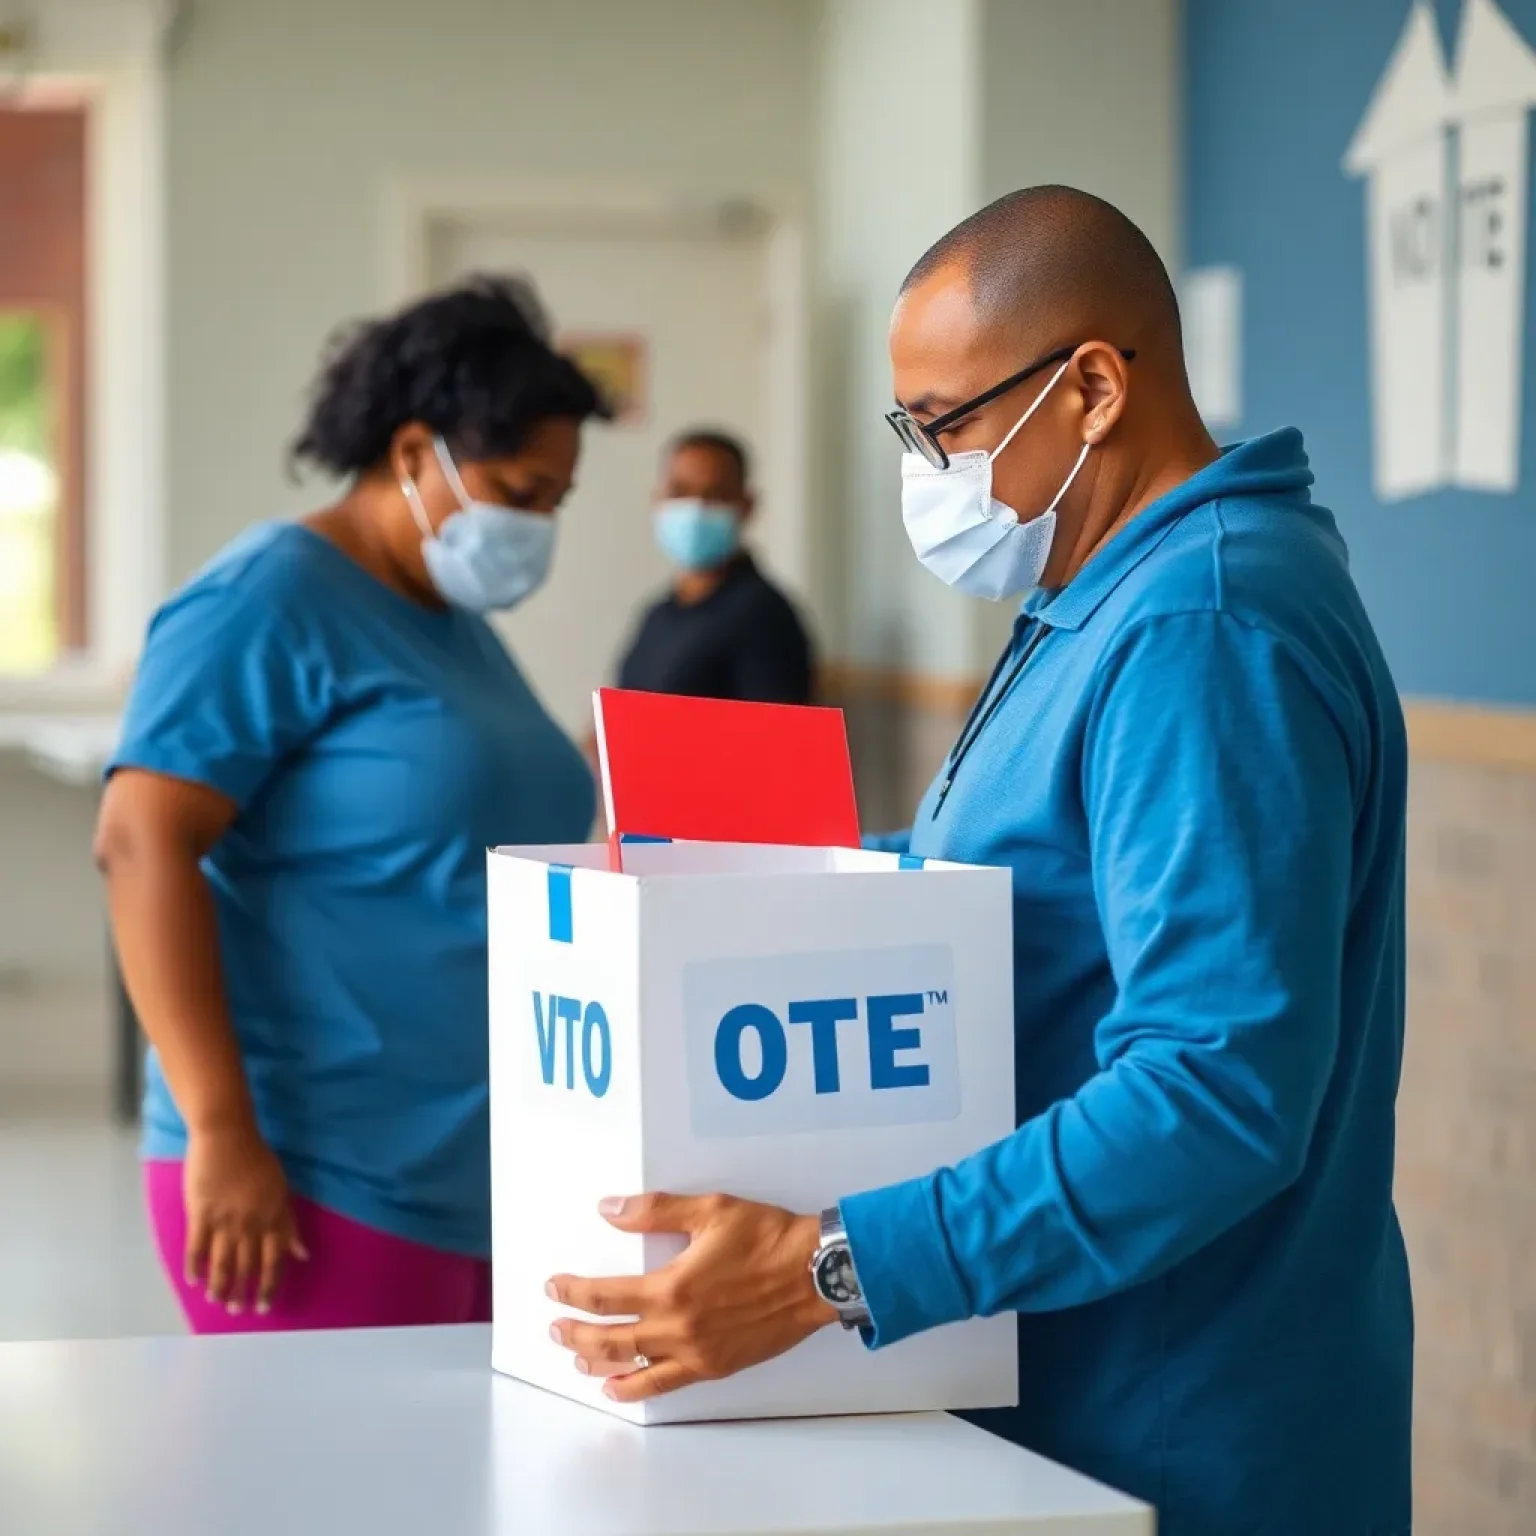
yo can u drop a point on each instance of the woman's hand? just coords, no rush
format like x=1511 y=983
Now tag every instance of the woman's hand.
x=152 y=836
x=239 y=1219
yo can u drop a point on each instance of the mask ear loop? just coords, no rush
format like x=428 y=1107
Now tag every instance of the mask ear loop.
x=450 y=470
x=1034 y=405
x=1082 y=459
x=412 y=492
x=412 y=495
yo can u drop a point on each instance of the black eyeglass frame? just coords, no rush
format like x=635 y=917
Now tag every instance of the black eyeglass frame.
x=923 y=437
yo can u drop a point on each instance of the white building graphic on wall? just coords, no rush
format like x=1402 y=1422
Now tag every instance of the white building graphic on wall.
x=1445 y=161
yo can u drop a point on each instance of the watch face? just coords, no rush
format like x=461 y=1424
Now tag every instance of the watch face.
x=835 y=1277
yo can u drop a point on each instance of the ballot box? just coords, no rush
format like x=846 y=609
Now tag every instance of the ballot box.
x=787 y=1024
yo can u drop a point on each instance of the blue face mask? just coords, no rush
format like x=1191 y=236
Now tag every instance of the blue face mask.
x=483 y=557
x=697 y=535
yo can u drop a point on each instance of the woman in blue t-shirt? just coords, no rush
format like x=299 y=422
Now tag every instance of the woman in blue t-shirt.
x=324 y=737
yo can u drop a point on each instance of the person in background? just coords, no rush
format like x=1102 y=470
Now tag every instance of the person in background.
x=724 y=631
x=323 y=738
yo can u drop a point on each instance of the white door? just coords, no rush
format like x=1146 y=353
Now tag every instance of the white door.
x=699 y=305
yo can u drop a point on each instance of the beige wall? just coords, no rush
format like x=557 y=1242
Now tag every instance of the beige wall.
x=1085 y=94
x=999 y=94
x=899 y=163
x=285 y=123
x=286 y=120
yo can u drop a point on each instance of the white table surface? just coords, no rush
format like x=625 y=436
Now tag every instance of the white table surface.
x=389 y=1433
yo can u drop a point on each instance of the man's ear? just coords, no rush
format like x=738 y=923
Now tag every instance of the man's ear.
x=748 y=506
x=1104 y=376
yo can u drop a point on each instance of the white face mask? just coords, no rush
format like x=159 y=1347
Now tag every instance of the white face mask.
x=967 y=538
x=484 y=557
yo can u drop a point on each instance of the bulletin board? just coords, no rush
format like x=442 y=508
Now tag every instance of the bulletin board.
x=616 y=362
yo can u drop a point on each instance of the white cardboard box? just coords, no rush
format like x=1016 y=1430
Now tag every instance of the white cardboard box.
x=785 y=1024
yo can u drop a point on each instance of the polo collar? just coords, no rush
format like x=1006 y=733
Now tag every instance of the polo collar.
x=1274 y=462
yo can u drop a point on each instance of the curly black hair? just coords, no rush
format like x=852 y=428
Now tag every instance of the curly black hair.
x=473 y=362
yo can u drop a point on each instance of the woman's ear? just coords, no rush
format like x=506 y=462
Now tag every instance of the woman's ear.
x=410 y=451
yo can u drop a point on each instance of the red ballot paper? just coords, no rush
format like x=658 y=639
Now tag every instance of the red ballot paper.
x=714 y=770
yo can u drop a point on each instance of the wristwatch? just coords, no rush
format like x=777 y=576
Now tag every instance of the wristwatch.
x=833 y=1274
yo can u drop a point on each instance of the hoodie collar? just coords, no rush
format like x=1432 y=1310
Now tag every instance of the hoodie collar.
x=1275 y=464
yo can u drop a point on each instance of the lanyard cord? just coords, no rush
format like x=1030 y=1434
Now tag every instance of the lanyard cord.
x=985 y=707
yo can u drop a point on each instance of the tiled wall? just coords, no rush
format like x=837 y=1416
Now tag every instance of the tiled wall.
x=1467 y=1109
x=1467 y=1145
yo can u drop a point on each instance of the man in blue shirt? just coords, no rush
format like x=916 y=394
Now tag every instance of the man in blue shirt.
x=1193 y=760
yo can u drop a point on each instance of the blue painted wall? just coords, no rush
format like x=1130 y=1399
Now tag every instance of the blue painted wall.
x=1274 y=91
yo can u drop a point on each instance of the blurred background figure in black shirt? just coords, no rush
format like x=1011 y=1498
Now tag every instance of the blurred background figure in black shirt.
x=724 y=631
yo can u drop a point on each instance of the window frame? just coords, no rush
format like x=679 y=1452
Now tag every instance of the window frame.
x=107 y=55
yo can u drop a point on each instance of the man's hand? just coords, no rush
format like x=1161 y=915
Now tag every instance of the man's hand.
x=739 y=1294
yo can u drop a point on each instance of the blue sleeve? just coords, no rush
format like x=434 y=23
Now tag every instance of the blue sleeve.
x=229 y=682
x=1217 y=788
x=888 y=842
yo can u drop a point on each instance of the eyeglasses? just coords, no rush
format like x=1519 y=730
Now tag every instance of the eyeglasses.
x=923 y=437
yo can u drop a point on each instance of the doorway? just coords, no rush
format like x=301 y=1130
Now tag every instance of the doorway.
x=685 y=313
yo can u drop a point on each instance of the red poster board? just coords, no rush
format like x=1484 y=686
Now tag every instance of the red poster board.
x=714 y=770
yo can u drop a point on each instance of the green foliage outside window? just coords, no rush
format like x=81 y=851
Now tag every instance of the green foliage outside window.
x=29 y=637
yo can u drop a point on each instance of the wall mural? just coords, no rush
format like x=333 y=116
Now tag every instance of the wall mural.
x=1444 y=157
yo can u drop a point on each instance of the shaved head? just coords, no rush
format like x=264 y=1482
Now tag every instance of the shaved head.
x=1063 y=256
x=1044 y=333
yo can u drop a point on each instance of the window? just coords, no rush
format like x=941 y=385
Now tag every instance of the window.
x=42 y=310
x=29 y=497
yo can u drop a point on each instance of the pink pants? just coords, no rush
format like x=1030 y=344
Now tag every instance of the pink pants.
x=355 y=1277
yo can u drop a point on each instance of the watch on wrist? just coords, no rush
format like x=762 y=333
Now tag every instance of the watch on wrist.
x=833 y=1274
